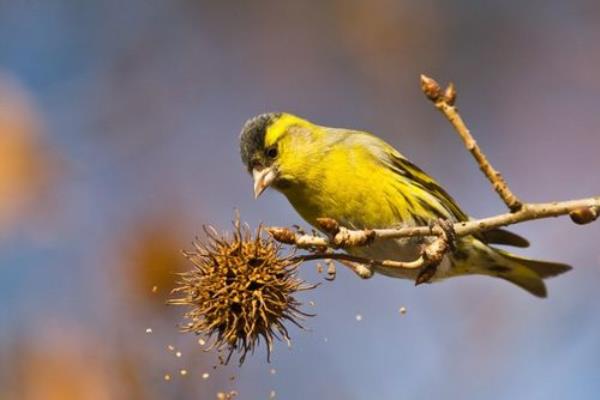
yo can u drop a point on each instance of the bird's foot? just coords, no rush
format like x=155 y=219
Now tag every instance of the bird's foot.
x=434 y=252
x=447 y=227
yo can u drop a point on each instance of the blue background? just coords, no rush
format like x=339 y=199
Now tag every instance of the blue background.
x=139 y=105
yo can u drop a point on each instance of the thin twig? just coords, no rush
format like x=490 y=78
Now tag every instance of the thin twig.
x=416 y=264
x=445 y=103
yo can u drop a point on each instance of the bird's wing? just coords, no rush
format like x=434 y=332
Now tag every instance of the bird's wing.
x=418 y=177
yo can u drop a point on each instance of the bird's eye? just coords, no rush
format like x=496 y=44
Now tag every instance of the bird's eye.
x=271 y=152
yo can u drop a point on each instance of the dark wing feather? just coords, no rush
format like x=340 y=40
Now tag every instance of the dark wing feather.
x=503 y=237
x=420 y=178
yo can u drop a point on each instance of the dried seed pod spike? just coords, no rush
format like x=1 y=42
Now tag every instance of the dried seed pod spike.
x=241 y=290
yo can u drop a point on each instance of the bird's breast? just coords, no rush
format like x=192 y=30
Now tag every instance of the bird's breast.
x=352 y=188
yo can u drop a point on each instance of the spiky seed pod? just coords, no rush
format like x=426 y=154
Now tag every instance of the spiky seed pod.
x=240 y=290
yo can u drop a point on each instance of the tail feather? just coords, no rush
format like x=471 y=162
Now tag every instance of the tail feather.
x=545 y=269
x=526 y=279
x=524 y=272
x=528 y=273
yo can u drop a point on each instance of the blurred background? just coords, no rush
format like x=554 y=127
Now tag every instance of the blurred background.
x=119 y=126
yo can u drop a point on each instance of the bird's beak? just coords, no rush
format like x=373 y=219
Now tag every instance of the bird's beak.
x=262 y=179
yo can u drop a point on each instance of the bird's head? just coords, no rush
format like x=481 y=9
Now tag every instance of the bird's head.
x=277 y=148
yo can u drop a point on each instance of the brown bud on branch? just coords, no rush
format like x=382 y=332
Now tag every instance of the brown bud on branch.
x=282 y=234
x=431 y=88
x=329 y=225
x=450 y=94
x=585 y=215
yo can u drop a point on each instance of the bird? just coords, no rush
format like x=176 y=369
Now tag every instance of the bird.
x=362 y=182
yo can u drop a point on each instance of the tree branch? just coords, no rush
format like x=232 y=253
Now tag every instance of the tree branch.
x=445 y=103
x=346 y=238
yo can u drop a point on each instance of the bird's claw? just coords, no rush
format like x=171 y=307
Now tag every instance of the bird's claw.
x=447 y=227
x=449 y=236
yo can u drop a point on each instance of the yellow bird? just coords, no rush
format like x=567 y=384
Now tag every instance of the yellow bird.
x=362 y=182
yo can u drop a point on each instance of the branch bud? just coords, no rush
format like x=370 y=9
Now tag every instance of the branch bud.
x=282 y=235
x=329 y=225
x=450 y=94
x=584 y=215
x=431 y=88
x=425 y=275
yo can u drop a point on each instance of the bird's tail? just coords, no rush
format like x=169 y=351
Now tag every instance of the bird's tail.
x=529 y=274
x=526 y=273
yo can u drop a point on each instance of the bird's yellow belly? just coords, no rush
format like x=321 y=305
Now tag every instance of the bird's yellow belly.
x=357 y=208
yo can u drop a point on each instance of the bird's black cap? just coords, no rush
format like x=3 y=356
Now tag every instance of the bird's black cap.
x=252 y=138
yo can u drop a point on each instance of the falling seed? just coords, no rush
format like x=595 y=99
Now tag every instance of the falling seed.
x=154 y=289
x=148 y=330
x=167 y=377
x=227 y=396
x=358 y=317
x=183 y=372
x=178 y=354
x=171 y=347
x=402 y=310
x=221 y=359
x=312 y=303
x=205 y=375
x=272 y=394
x=232 y=378
x=273 y=371
x=201 y=342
